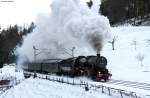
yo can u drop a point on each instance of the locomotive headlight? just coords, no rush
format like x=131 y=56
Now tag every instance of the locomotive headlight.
x=99 y=74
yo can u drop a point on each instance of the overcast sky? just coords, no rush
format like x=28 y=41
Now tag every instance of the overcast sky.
x=22 y=11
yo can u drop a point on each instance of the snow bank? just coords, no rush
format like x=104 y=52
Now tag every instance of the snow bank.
x=37 y=88
x=9 y=72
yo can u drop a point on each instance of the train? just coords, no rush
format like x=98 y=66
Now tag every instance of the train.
x=93 y=67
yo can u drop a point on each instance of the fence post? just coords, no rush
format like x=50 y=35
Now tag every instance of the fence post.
x=81 y=82
x=86 y=87
x=73 y=81
x=109 y=91
x=102 y=89
x=62 y=80
x=121 y=93
x=67 y=80
x=46 y=77
x=133 y=94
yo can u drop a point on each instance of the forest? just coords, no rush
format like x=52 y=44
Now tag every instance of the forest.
x=10 y=39
x=121 y=10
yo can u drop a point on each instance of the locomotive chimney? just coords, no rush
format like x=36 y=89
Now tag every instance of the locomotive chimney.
x=98 y=53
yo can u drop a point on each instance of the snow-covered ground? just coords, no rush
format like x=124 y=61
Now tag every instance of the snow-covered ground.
x=38 y=88
x=122 y=62
x=9 y=72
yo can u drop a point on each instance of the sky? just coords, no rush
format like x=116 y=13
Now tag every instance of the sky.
x=22 y=11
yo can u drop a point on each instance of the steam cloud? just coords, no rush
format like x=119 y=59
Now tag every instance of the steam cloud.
x=70 y=24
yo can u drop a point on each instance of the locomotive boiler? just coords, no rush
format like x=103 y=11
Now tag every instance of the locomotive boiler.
x=93 y=67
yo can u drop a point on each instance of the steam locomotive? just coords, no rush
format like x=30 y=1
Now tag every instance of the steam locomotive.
x=93 y=67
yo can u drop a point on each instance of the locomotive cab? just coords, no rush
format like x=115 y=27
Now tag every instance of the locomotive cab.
x=66 y=66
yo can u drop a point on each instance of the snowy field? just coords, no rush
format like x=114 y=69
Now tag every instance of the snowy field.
x=38 y=88
x=122 y=62
x=131 y=43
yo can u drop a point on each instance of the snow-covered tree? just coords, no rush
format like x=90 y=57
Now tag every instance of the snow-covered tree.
x=113 y=42
x=140 y=57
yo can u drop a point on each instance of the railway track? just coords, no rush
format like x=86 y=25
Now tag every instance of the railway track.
x=144 y=86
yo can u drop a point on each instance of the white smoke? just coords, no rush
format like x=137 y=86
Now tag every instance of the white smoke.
x=70 y=24
x=96 y=5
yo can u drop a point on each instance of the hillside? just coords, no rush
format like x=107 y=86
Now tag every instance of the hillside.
x=130 y=43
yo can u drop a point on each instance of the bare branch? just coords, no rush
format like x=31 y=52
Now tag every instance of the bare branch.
x=113 y=42
x=140 y=57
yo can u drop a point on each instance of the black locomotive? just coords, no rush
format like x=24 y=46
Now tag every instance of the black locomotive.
x=93 y=67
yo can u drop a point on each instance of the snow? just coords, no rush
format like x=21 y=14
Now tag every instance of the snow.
x=38 y=88
x=9 y=72
x=122 y=62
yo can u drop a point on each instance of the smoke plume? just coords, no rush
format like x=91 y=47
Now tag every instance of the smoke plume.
x=70 y=24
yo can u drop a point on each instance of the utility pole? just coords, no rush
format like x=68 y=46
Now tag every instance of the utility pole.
x=69 y=51
x=35 y=53
x=73 y=48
